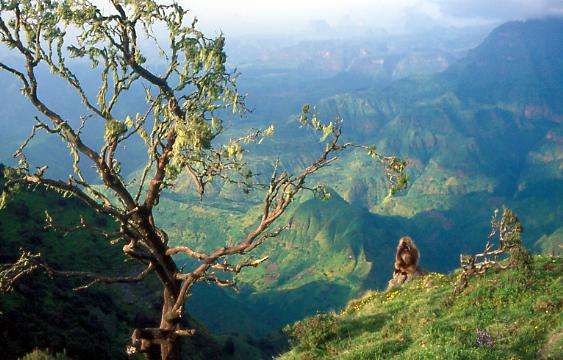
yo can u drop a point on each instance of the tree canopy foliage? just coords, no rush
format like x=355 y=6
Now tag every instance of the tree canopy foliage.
x=186 y=100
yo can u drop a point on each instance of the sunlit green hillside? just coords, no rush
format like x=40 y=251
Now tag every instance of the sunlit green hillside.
x=468 y=155
x=483 y=133
x=508 y=315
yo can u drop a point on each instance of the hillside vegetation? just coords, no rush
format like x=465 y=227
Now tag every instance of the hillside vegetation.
x=47 y=310
x=484 y=133
x=47 y=313
x=511 y=314
x=468 y=154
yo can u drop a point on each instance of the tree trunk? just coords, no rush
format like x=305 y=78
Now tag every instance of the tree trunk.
x=170 y=348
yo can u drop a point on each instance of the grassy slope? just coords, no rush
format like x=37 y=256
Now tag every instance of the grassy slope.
x=522 y=313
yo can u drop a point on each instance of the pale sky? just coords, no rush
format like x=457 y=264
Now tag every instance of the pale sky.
x=286 y=16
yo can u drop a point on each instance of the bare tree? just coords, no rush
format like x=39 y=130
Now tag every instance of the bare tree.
x=179 y=126
x=509 y=252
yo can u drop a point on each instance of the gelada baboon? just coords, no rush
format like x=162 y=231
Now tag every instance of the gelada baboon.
x=406 y=262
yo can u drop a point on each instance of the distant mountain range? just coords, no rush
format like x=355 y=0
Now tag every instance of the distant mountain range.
x=482 y=134
x=480 y=131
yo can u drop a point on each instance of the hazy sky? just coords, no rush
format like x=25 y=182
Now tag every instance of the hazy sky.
x=286 y=16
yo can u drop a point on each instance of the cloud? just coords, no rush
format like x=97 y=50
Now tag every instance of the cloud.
x=284 y=17
x=503 y=10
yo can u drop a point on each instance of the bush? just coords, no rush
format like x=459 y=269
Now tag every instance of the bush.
x=311 y=333
x=44 y=355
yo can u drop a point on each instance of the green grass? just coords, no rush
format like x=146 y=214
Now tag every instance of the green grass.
x=43 y=355
x=520 y=310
